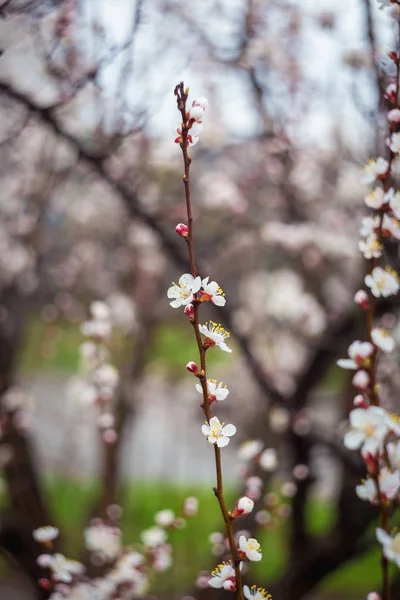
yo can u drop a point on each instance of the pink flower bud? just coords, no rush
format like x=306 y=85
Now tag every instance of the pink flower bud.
x=189 y=310
x=230 y=585
x=371 y=461
x=361 y=380
x=301 y=472
x=390 y=93
x=373 y=596
x=394 y=115
x=190 y=506
x=360 y=402
x=182 y=229
x=361 y=298
x=193 y=368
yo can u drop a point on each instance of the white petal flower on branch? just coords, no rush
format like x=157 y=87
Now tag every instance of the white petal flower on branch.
x=64 y=569
x=215 y=335
x=256 y=593
x=216 y=392
x=202 y=102
x=382 y=339
x=182 y=293
x=165 y=518
x=390 y=545
x=46 y=534
x=368 y=424
x=371 y=247
x=394 y=204
x=359 y=352
x=212 y=291
x=382 y=282
x=250 y=548
x=375 y=198
x=374 y=169
x=394 y=143
x=245 y=505
x=221 y=574
x=389 y=484
x=154 y=536
x=103 y=540
x=217 y=432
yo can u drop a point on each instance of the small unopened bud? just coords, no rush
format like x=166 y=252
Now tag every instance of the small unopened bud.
x=182 y=229
x=360 y=402
x=44 y=583
x=394 y=56
x=189 y=311
x=230 y=585
x=361 y=298
x=390 y=93
x=193 y=368
x=361 y=380
x=244 y=506
x=373 y=596
x=371 y=462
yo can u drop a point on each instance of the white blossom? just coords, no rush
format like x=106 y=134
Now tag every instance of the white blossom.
x=391 y=545
x=382 y=282
x=359 y=352
x=373 y=169
x=182 y=293
x=389 y=484
x=368 y=424
x=220 y=575
x=256 y=593
x=165 y=518
x=64 y=569
x=394 y=143
x=245 y=505
x=250 y=548
x=212 y=291
x=395 y=204
x=46 y=534
x=103 y=540
x=215 y=335
x=153 y=536
x=215 y=391
x=218 y=433
x=371 y=247
x=382 y=339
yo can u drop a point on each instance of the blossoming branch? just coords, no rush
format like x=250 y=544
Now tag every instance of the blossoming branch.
x=191 y=292
x=374 y=430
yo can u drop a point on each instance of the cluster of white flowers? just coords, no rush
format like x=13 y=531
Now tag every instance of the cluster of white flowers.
x=373 y=430
x=128 y=569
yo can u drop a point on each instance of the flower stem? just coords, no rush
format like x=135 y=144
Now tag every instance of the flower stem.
x=181 y=96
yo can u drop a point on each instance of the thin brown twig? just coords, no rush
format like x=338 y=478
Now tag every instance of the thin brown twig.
x=181 y=95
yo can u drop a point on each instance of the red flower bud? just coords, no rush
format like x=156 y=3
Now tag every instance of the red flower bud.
x=193 y=368
x=189 y=311
x=182 y=229
x=361 y=298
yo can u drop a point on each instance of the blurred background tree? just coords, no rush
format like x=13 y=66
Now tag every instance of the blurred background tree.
x=90 y=195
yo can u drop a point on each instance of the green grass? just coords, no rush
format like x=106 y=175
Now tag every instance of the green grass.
x=72 y=502
x=55 y=348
